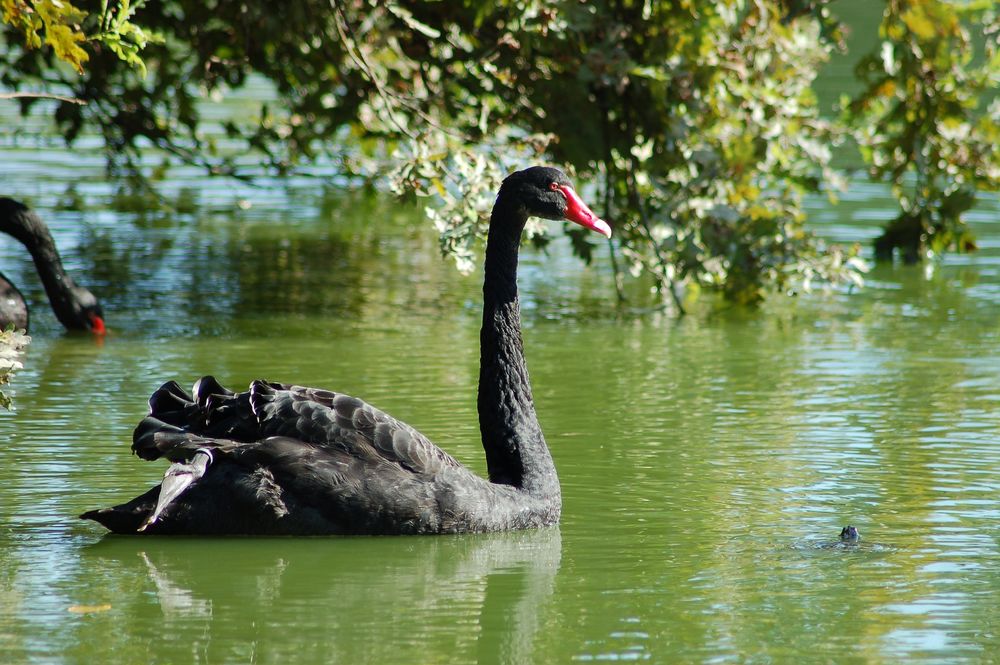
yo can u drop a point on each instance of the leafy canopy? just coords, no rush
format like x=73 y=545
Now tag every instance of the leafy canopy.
x=694 y=124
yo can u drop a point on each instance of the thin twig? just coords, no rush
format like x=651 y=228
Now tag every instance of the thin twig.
x=634 y=199
x=619 y=278
x=354 y=51
x=346 y=34
x=661 y=260
x=608 y=161
x=42 y=95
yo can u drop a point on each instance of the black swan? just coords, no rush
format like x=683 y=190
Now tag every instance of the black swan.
x=283 y=459
x=75 y=307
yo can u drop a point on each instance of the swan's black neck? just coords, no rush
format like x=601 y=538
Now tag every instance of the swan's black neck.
x=516 y=453
x=24 y=225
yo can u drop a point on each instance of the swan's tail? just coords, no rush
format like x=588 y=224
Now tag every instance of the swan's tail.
x=127 y=517
x=192 y=430
x=144 y=511
x=185 y=428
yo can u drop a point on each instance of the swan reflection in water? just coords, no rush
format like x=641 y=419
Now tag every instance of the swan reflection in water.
x=471 y=598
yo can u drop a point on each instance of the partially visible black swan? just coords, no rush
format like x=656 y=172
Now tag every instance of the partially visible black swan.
x=283 y=459
x=75 y=307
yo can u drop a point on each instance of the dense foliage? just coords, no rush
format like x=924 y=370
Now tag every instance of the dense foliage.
x=695 y=121
x=920 y=123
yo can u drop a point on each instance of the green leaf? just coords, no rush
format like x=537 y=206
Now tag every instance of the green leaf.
x=65 y=42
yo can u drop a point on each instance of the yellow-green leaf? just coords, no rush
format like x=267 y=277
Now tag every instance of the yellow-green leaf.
x=439 y=186
x=919 y=24
x=64 y=41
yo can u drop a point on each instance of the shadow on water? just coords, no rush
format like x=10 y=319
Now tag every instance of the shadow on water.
x=351 y=600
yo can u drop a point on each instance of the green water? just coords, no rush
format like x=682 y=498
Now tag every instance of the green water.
x=706 y=463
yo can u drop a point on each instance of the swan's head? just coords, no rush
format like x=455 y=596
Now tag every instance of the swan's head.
x=546 y=192
x=85 y=312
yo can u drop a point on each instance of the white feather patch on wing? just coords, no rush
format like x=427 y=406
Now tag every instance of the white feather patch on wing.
x=177 y=478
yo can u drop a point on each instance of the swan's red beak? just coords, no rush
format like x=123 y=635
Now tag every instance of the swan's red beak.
x=577 y=211
x=97 y=325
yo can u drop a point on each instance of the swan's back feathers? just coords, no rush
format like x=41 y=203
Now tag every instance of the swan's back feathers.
x=13 y=309
x=342 y=422
x=250 y=424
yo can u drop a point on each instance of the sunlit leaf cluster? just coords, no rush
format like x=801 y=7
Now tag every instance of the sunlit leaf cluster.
x=66 y=28
x=12 y=344
x=55 y=22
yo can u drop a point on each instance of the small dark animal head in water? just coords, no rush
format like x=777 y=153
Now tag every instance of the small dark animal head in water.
x=849 y=534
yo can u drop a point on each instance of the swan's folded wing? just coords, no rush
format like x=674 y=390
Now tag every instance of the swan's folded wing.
x=180 y=422
x=345 y=423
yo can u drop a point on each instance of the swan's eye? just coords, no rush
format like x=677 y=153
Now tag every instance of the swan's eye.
x=554 y=186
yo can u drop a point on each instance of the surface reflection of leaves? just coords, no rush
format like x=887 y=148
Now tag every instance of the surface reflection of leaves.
x=339 y=599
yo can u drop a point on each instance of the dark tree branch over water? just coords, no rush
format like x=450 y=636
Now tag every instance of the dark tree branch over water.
x=698 y=119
